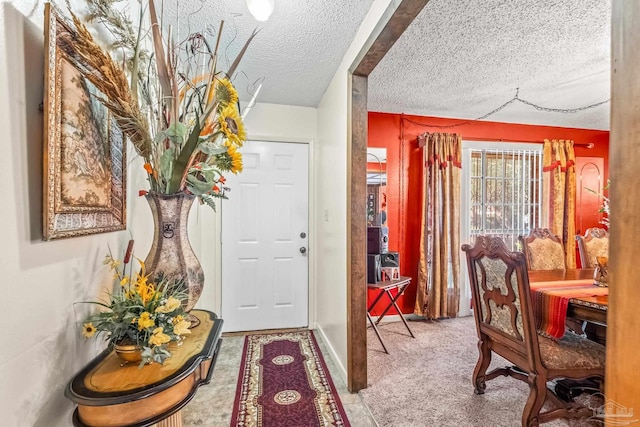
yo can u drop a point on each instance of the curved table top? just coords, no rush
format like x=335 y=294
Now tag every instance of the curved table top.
x=109 y=392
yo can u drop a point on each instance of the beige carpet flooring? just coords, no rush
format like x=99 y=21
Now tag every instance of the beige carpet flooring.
x=213 y=403
x=423 y=382
x=426 y=381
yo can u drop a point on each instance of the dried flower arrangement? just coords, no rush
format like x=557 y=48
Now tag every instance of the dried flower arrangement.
x=178 y=110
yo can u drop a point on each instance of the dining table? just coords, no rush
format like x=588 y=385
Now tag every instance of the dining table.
x=571 y=293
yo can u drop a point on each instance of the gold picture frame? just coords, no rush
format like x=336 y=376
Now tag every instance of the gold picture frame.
x=84 y=176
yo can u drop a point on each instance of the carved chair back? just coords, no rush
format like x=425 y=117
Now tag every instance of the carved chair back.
x=594 y=243
x=502 y=301
x=543 y=250
x=506 y=325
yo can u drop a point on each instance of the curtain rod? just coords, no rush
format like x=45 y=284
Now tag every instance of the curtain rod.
x=587 y=145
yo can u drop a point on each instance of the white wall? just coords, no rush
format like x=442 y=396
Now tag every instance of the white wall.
x=276 y=122
x=42 y=347
x=41 y=281
x=270 y=122
x=331 y=207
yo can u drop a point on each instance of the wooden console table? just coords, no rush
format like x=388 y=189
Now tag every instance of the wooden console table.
x=110 y=394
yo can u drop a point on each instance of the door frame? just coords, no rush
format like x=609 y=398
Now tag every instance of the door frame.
x=311 y=253
x=624 y=132
x=394 y=21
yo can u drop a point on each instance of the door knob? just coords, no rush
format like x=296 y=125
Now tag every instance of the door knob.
x=303 y=250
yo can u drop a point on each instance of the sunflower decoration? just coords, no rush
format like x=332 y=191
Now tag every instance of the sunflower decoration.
x=88 y=330
x=218 y=148
x=232 y=126
x=230 y=160
x=181 y=111
x=226 y=93
x=227 y=99
x=148 y=315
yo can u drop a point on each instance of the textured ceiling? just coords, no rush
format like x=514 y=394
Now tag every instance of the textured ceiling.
x=465 y=58
x=297 y=51
x=459 y=58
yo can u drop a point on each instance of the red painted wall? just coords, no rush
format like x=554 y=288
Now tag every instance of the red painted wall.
x=404 y=174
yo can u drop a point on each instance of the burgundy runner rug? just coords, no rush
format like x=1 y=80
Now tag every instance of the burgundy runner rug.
x=284 y=382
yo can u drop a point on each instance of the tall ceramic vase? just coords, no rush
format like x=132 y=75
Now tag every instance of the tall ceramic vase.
x=171 y=254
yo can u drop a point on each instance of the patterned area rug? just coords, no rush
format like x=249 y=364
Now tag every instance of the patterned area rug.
x=285 y=382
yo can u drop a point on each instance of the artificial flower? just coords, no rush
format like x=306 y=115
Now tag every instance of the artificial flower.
x=182 y=327
x=170 y=305
x=231 y=125
x=225 y=92
x=146 y=291
x=236 y=160
x=158 y=337
x=137 y=307
x=208 y=129
x=231 y=160
x=112 y=263
x=145 y=321
x=141 y=279
x=88 y=330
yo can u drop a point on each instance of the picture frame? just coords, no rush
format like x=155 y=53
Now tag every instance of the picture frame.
x=84 y=161
x=390 y=273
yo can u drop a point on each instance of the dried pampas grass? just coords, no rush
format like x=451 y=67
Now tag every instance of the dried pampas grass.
x=110 y=79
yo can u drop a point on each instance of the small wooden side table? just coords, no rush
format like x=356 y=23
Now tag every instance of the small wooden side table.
x=111 y=394
x=385 y=288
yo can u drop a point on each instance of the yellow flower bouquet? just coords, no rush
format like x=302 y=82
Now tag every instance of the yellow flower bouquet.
x=147 y=315
x=179 y=111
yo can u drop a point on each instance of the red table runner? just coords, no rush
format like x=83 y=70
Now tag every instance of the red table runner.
x=551 y=300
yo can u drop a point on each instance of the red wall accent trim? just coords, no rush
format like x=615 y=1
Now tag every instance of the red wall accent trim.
x=405 y=164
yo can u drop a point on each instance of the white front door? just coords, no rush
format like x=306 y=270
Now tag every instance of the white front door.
x=265 y=230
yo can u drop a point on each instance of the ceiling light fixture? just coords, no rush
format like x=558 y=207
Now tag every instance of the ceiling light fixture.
x=261 y=9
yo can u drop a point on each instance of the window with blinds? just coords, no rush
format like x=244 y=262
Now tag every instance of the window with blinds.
x=504 y=192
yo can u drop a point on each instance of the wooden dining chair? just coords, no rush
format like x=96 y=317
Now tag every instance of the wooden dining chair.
x=506 y=326
x=543 y=250
x=594 y=243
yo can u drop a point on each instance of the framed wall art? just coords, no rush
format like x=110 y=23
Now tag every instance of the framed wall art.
x=84 y=149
